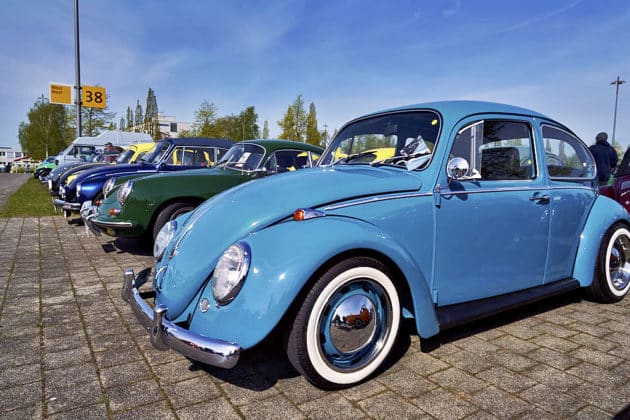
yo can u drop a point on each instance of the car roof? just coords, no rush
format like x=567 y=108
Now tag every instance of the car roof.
x=199 y=141
x=273 y=144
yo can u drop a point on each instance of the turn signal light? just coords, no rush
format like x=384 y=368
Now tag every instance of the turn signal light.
x=114 y=212
x=305 y=214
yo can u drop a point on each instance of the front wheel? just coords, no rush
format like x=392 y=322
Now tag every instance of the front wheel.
x=612 y=274
x=169 y=213
x=347 y=324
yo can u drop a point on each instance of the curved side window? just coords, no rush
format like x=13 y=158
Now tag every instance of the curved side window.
x=566 y=156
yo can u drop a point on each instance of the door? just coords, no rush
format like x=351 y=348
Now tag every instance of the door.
x=493 y=224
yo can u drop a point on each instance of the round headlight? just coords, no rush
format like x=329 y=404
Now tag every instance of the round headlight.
x=163 y=238
x=124 y=191
x=108 y=186
x=230 y=272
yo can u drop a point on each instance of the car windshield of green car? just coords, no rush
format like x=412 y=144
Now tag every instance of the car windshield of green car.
x=402 y=139
x=243 y=156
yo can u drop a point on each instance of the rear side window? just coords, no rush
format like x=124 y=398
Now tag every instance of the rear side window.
x=566 y=156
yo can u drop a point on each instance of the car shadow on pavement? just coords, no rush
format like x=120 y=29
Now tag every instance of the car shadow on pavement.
x=136 y=246
x=509 y=317
x=262 y=366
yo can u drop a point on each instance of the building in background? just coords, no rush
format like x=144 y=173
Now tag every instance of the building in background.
x=15 y=157
x=170 y=127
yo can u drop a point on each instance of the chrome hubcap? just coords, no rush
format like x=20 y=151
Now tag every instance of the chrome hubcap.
x=354 y=325
x=619 y=263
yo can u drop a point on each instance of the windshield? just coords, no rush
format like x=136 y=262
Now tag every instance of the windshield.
x=125 y=157
x=50 y=159
x=156 y=154
x=243 y=156
x=391 y=139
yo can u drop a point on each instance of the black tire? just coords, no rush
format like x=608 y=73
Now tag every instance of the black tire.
x=611 y=280
x=170 y=212
x=330 y=352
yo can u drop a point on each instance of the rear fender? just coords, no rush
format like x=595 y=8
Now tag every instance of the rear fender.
x=604 y=213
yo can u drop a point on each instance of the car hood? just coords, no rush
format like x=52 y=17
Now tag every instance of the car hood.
x=247 y=208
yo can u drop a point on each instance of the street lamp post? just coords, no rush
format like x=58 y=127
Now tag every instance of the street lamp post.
x=617 y=83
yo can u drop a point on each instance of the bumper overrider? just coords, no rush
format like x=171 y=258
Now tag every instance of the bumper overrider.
x=166 y=335
x=65 y=205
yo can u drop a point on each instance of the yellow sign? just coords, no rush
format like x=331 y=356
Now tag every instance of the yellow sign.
x=60 y=93
x=93 y=96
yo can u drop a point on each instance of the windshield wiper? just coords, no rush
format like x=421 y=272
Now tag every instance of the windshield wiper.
x=354 y=156
x=404 y=158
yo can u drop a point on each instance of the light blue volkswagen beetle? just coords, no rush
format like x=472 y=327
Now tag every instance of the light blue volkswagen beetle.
x=481 y=207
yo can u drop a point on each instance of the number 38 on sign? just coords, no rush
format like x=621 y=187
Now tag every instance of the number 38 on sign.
x=93 y=96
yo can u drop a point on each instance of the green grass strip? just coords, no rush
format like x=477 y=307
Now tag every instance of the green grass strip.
x=32 y=199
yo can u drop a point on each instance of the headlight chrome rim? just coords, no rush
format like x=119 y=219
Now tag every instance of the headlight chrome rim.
x=230 y=272
x=79 y=187
x=124 y=191
x=164 y=236
x=108 y=186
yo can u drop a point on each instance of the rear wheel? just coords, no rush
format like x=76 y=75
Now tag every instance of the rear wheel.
x=612 y=274
x=347 y=324
x=169 y=213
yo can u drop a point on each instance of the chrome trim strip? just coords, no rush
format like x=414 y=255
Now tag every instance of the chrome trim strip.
x=114 y=225
x=376 y=199
x=515 y=189
x=166 y=335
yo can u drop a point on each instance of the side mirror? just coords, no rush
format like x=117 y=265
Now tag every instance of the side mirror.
x=457 y=168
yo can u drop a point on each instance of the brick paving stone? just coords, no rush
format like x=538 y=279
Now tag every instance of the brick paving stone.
x=298 y=390
x=553 y=358
x=65 y=399
x=555 y=343
x=555 y=330
x=407 y=383
x=363 y=391
x=71 y=376
x=322 y=408
x=159 y=410
x=511 y=360
x=553 y=377
x=514 y=344
x=610 y=402
x=124 y=374
x=389 y=405
x=133 y=395
x=248 y=389
x=597 y=375
x=20 y=375
x=506 y=380
x=457 y=380
x=20 y=396
x=467 y=361
x=445 y=405
x=595 y=357
x=276 y=407
x=96 y=411
x=591 y=413
x=425 y=364
x=215 y=409
x=561 y=404
x=192 y=391
x=592 y=342
x=67 y=358
x=499 y=403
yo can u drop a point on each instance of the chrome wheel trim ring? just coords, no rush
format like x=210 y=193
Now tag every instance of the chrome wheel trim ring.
x=617 y=264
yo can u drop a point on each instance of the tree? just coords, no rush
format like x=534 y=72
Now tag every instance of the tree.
x=151 y=123
x=294 y=122
x=248 y=118
x=138 y=119
x=265 y=132
x=122 y=123
x=205 y=119
x=47 y=131
x=313 y=135
x=129 y=119
x=93 y=120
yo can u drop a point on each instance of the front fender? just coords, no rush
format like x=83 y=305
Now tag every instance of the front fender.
x=604 y=213
x=283 y=258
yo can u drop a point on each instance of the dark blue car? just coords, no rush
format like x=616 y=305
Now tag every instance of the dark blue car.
x=168 y=155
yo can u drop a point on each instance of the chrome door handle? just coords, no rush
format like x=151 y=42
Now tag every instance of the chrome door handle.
x=540 y=198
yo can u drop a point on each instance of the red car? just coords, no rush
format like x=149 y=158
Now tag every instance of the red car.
x=620 y=189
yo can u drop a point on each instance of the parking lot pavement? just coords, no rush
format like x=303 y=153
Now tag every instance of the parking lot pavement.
x=70 y=348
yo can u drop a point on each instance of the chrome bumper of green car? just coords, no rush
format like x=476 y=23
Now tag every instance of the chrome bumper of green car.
x=166 y=335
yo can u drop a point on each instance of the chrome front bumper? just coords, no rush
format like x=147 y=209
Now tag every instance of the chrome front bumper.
x=75 y=207
x=166 y=335
x=89 y=212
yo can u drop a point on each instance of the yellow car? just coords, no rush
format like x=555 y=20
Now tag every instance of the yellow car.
x=130 y=155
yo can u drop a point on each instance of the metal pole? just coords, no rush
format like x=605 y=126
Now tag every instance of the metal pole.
x=77 y=68
x=617 y=83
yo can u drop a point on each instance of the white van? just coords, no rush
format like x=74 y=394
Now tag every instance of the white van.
x=83 y=148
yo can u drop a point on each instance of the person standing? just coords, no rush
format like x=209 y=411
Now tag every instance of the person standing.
x=605 y=157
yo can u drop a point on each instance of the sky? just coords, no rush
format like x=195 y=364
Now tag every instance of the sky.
x=348 y=57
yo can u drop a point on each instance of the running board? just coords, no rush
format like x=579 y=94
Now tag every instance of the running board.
x=461 y=313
